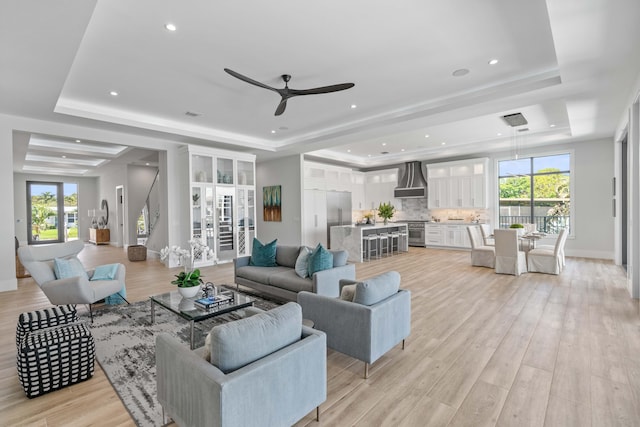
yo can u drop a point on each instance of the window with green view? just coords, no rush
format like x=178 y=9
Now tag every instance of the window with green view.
x=535 y=190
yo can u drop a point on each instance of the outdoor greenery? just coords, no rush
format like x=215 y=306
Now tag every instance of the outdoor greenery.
x=548 y=186
x=42 y=208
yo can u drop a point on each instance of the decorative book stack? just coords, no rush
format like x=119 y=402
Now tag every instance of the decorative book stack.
x=212 y=302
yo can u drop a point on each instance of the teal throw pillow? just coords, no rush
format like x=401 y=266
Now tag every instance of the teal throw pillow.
x=64 y=268
x=320 y=259
x=105 y=272
x=263 y=255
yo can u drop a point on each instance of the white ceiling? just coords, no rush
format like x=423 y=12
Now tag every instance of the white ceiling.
x=567 y=65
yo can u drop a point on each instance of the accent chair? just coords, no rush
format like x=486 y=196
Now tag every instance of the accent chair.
x=368 y=320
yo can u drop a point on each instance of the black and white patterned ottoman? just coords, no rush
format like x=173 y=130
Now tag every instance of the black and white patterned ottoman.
x=54 y=350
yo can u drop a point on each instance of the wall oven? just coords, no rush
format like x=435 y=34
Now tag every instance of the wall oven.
x=416 y=230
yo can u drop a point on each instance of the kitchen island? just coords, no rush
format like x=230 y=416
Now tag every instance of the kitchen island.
x=349 y=237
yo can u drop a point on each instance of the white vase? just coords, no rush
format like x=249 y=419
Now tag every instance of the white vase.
x=189 y=292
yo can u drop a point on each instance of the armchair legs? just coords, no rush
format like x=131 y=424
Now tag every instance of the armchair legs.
x=366 y=370
x=318 y=413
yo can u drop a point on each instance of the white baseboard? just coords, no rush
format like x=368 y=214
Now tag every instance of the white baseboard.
x=8 y=285
x=589 y=254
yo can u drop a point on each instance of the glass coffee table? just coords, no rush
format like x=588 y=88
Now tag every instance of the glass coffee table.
x=185 y=308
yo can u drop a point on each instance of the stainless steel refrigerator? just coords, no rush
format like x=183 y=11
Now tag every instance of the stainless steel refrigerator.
x=338 y=211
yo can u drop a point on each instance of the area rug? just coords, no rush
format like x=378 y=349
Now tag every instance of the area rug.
x=125 y=349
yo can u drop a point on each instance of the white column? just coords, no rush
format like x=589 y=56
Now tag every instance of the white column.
x=8 y=281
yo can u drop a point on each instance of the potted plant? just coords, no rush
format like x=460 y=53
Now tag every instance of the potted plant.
x=518 y=227
x=189 y=280
x=385 y=211
x=368 y=217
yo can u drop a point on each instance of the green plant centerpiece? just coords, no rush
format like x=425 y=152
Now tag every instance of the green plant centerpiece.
x=516 y=226
x=189 y=280
x=386 y=211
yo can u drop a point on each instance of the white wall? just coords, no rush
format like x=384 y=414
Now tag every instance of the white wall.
x=87 y=199
x=287 y=172
x=8 y=279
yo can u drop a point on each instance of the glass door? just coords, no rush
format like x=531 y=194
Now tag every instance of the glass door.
x=246 y=214
x=52 y=212
x=226 y=244
x=203 y=225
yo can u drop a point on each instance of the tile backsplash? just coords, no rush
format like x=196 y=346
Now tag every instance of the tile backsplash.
x=418 y=209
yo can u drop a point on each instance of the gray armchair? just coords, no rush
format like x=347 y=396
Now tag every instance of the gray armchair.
x=377 y=318
x=39 y=260
x=265 y=370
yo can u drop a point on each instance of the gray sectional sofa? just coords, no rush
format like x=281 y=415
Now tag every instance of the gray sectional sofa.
x=283 y=282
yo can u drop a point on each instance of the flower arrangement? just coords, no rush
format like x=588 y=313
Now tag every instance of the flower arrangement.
x=189 y=277
x=386 y=211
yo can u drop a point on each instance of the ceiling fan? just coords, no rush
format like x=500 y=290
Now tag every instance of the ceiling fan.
x=286 y=92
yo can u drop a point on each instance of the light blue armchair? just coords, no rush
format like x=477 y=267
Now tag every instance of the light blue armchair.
x=265 y=370
x=376 y=319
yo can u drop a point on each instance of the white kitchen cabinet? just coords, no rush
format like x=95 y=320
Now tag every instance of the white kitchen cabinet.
x=379 y=187
x=358 y=200
x=456 y=236
x=315 y=218
x=447 y=235
x=434 y=235
x=460 y=184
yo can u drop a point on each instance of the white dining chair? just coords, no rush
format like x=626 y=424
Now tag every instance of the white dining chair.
x=481 y=255
x=485 y=229
x=552 y=247
x=509 y=258
x=549 y=261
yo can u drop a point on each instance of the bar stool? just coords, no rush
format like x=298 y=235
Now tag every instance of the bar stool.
x=369 y=245
x=395 y=235
x=384 y=243
x=403 y=241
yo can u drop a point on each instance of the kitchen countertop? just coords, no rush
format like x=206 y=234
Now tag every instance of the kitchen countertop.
x=372 y=226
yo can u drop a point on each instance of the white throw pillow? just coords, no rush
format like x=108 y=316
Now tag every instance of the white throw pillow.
x=348 y=292
x=302 y=262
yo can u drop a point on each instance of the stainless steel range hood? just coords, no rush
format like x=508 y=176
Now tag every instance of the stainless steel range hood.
x=412 y=185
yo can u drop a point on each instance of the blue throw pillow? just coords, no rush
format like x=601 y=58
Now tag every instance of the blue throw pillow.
x=105 y=272
x=320 y=259
x=263 y=255
x=64 y=268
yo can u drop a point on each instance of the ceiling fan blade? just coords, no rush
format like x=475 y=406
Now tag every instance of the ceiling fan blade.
x=249 y=80
x=323 y=89
x=281 y=107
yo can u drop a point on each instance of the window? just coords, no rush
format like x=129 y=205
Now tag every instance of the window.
x=50 y=204
x=536 y=190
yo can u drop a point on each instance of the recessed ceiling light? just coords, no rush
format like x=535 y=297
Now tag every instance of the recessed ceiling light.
x=493 y=62
x=146 y=164
x=384 y=143
x=170 y=27
x=348 y=151
x=113 y=93
x=353 y=106
x=552 y=125
x=427 y=136
x=499 y=134
x=78 y=141
x=402 y=149
x=273 y=131
x=368 y=155
x=443 y=143
x=461 y=72
x=64 y=157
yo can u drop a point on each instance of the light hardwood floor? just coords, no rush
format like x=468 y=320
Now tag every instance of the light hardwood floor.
x=484 y=350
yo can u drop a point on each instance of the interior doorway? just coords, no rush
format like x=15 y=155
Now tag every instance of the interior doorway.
x=120 y=219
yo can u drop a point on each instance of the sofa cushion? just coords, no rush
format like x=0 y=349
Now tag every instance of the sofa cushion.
x=320 y=259
x=286 y=255
x=340 y=258
x=263 y=255
x=375 y=289
x=302 y=262
x=237 y=344
x=290 y=281
x=259 y=274
x=71 y=267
